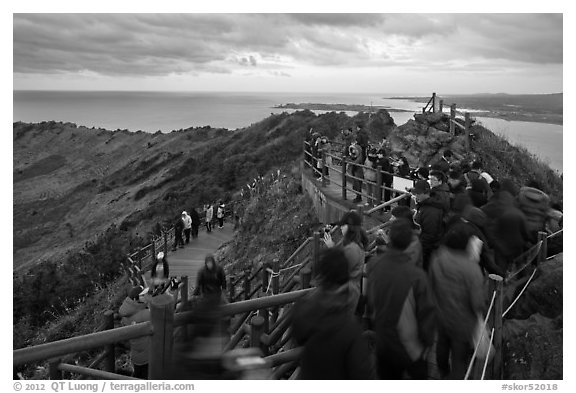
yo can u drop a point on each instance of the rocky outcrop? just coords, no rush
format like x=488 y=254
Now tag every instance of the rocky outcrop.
x=533 y=329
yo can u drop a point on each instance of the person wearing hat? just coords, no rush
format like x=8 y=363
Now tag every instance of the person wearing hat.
x=187 y=220
x=354 y=241
x=332 y=340
x=429 y=216
x=134 y=309
x=402 y=308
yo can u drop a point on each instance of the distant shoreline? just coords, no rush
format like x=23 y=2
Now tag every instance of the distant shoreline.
x=337 y=107
x=488 y=106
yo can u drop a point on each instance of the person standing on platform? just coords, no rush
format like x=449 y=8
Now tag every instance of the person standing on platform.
x=429 y=216
x=209 y=217
x=178 y=228
x=187 y=225
x=195 y=222
x=134 y=309
x=220 y=214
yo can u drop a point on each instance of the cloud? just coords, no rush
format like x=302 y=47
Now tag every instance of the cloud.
x=166 y=44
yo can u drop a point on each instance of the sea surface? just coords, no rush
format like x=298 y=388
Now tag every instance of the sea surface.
x=168 y=111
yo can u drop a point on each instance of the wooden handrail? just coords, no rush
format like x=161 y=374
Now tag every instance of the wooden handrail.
x=90 y=372
x=284 y=357
x=80 y=343
x=388 y=203
x=295 y=253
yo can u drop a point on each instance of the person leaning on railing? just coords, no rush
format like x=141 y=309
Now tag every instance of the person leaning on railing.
x=354 y=169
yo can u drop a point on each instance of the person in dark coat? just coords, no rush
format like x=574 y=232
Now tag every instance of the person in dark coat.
x=178 y=229
x=402 y=309
x=477 y=191
x=443 y=164
x=429 y=216
x=439 y=190
x=387 y=173
x=211 y=279
x=334 y=347
x=456 y=184
x=195 y=222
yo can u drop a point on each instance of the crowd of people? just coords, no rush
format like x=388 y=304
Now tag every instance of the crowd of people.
x=425 y=274
x=420 y=282
x=363 y=160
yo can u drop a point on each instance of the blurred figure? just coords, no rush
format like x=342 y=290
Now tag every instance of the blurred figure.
x=457 y=286
x=160 y=273
x=195 y=222
x=178 y=229
x=535 y=204
x=402 y=309
x=134 y=309
x=414 y=248
x=211 y=280
x=456 y=184
x=334 y=347
x=443 y=164
x=477 y=191
x=429 y=217
x=354 y=242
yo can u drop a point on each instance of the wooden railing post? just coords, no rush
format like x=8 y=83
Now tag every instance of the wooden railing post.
x=53 y=370
x=232 y=288
x=452 y=119
x=184 y=301
x=344 y=178
x=441 y=106
x=247 y=284
x=264 y=276
x=379 y=185
x=275 y=285
x=166 y=243
x=315 y=251
x=433 y=102
x=305 y=277
x=497 y=284
x=140 y=253
x=467 y=130
x=256 y=332
x=160 y=354
x=543 y=236
x=110 y=360
x=153 y=249
x=323 y=169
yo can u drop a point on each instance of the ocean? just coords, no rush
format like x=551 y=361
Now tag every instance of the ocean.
x=168 y=111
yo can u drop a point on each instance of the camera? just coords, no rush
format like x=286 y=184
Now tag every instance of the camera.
x=328 y=228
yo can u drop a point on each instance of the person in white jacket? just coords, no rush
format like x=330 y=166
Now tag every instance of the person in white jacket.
x=209 y=217
x=187 y=220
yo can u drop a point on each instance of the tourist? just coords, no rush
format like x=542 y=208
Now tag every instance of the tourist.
x=387 y=176
x=443 y=164
x=211 y=280
x=354 y=169
x=402 y=308
x=456 y=184
x=220 y=214
x=134 y=309
x=535 y=204
x=209 y=217
x=332 y=340
x=429 y=217
x=160 y=273
x=414 y=248
x=354 y=241
x=457 y=286
x=370 y=175
x=187 y=220
x=439 y=190
x=195 y=217
x=324 y=148
x=178 y=228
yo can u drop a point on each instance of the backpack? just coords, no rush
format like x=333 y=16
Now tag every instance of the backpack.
x=534 y=203
x=220 y=212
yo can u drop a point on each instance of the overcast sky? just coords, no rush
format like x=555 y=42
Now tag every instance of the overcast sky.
x=392 y=53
